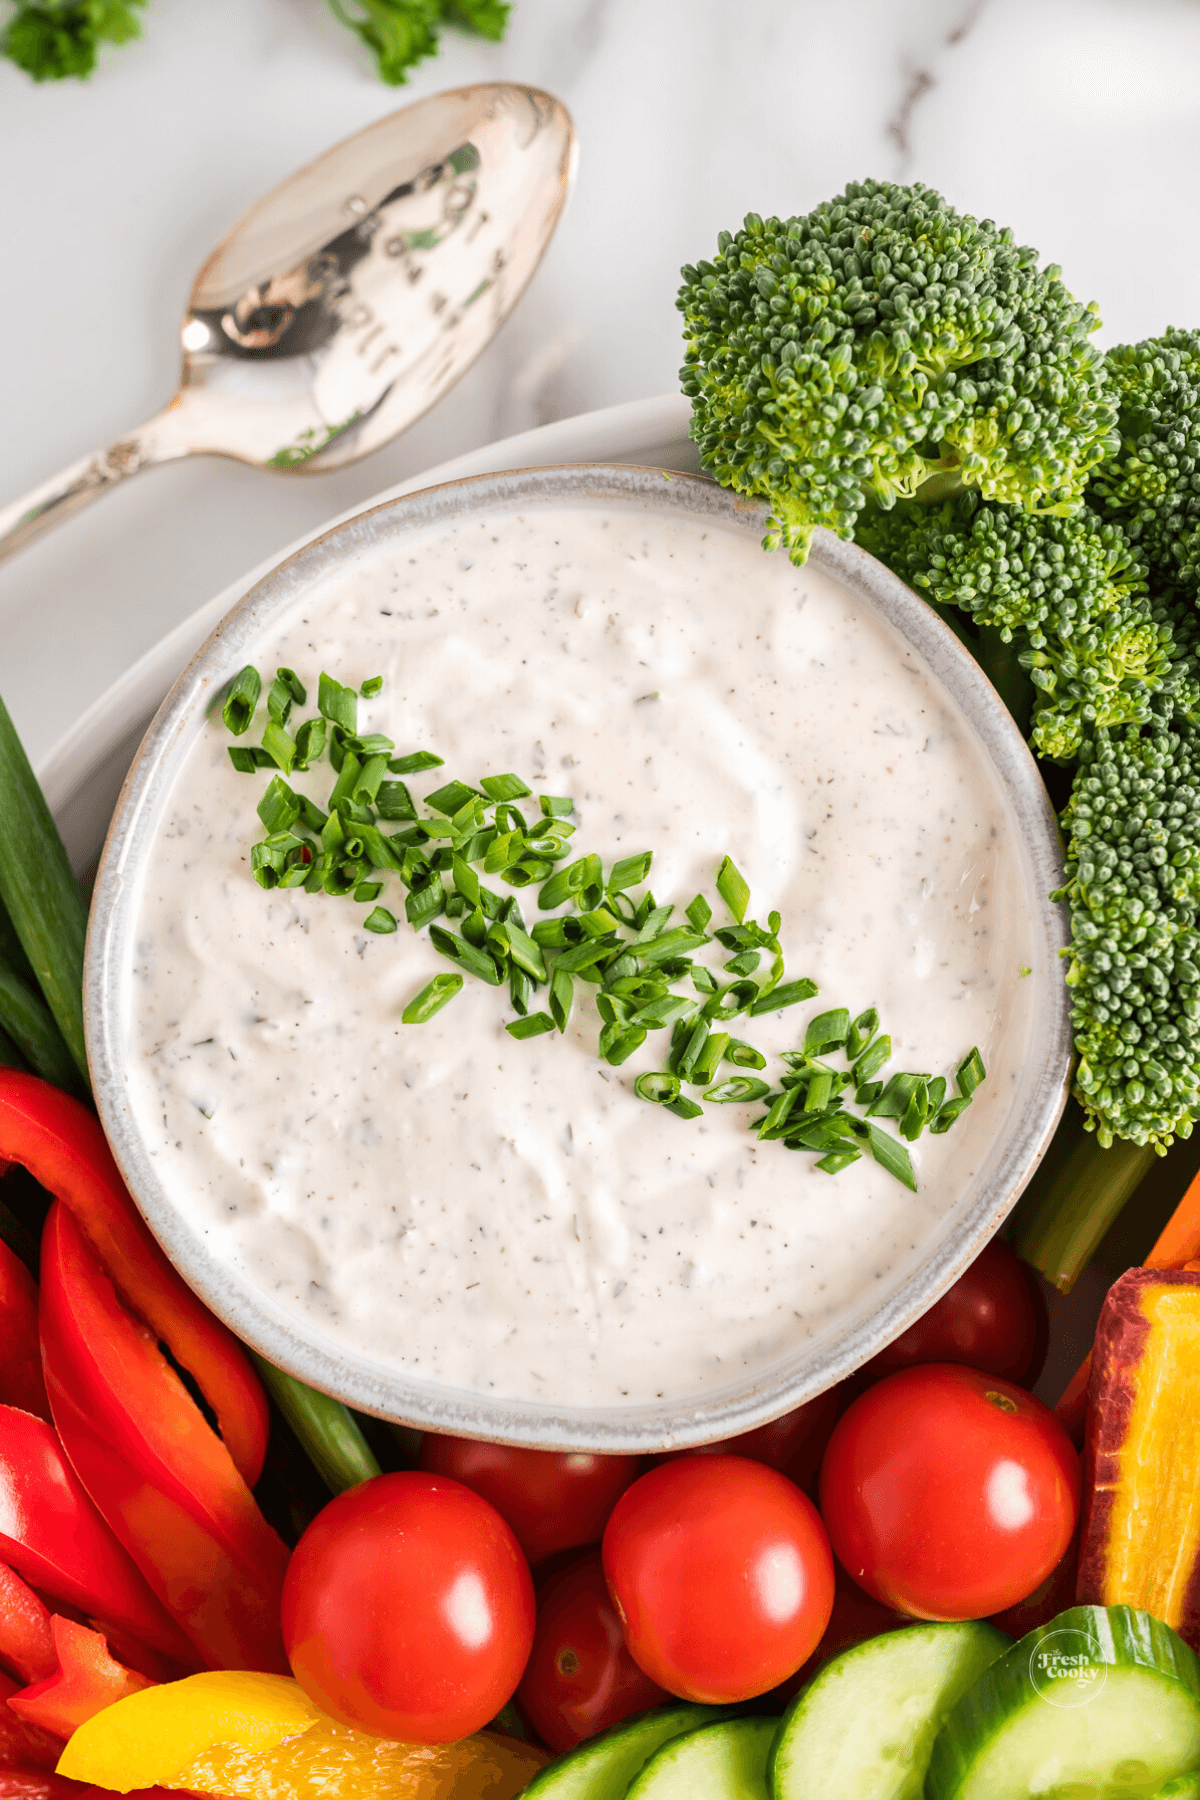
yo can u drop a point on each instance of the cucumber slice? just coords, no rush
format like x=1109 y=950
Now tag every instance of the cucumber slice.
x=1103 y=1701
x=721 y=1762
x=603 y=1767
x=865 y=1724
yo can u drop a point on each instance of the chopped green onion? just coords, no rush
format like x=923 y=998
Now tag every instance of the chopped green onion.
x=533 y=1026
x=431 y=999
x=555 y=806
x=459 y=950
x=828 y=1031
x=393 y=801
x=658 y=1088
x=891 y=1155
x=894 y=1101
x=861 y=1032
x=872 y=1059
x=733 y=888
x=630 y=871
x=618 y=1043
x=970 y=1073
x=310 y=742
x=292 y=685
x=683 y=1108
x=242 y=759
x=837 y=1160
x=738 y=1088
x=698 y=913
x=415 y=763
x=371 y=686
x=374 y=744
x=367 y=785
x=743 y=964
x=710 y=1058
x=669 y=945
x=916 y=1112
x=337 y=703
x=520 y=988
x=947 y=1113
x=451 y=798
x=787 y=994
x=937 y=1093
x=279 y=746
x=423 y=904
x=279 y=807
x=692 y=1050
x=241 y=700
x=664 y=1012
x=371 y=890
x=702 y=979
x=867 y=1093
x=381 y=920
x=778 y=1112
x=504 y=787
x=562 y=991
x=280 y=700
x=737 y=998
x=744 y=1056
x=818 y=1091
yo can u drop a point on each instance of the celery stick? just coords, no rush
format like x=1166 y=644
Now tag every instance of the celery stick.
x=1073 y=1199
x=328 y=1434
x=39 y=892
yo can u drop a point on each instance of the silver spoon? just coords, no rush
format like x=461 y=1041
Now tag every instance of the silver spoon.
x=348 y=300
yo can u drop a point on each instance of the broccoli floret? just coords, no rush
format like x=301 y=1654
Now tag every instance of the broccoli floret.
x=59 y=39
x=1070 y=593
x=1152 y=484
x=882 y=342
x=1132 y=829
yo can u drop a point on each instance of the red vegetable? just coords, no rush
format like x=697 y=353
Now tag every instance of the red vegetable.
x=23 y=1746
x=994 y=1318
x=720 y=1571
x=86 y=1679
x=580 y=1678
x=794 y=1443
x=63 y=1147
x=553 y=1502
x=21 y=1381
x=949 y=1494
x=161 y=1477
x=55 y=1539
x=408 y=1609
x=26 y=1642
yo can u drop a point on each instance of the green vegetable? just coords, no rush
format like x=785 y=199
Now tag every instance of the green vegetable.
x=39 y=893
x=879 y=347
x=325 y=1428
x=603 y=1767
x=400 y=33
x=431 y=999
x=26 y=1021
x=726 y=1760
x=60 y=38
x=866 y=1722
x=1122 y=1717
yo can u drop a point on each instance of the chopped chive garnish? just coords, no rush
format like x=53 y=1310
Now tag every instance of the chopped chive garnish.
x=371 y=890
x=279 y=746
x=533 y=1026
x=890 y=1155
x=683 y=1108
x=241 y=700
x=459 y=950
x=744 y=963
x=279 y=807
x=431 y=999
x=504 y=787
x=423 y=904
x=629 y=872
x=555 y=806
x=371 y=686
x=381 y=920
x=310 y=742
x=414 y=763
x=744 y=1056
x=738 y=1088
x=837 y=1160
x=618 y=1043
x=337 y=703
x=698 y=913
x=451 y=798
x=916 y=1112
x=786 y=994
x=562 y=990
x=393 y=801
x=970 y=1073
x=243 y=760
x=861 y=1031
x=658 y=1088
x=947 y=1114
x=709 y=1059
x=733 y=888
x=828 y=1031
x=872 y=1059
x=282 y=696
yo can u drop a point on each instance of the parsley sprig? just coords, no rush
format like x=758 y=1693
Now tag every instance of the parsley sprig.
x=638 y=957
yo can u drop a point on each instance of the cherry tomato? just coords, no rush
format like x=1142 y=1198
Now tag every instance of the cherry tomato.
x=553 y=1502
x=993 y=1318
x=580 y=1678
x=855 y=1618
x=949 y=1494
x=794 y=1443
x=721 y=1574
x=408 y=1609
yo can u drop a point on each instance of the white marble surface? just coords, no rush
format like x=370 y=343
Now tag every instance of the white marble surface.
x=1075 y=121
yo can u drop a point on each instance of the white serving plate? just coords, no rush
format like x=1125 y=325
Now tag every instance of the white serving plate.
x=84 y=772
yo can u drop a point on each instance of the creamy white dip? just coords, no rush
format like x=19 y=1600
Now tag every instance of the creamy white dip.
x=507 y=1217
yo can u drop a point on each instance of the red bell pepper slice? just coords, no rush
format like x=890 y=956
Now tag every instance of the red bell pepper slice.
x=22 y=1745
x=36 y=1784
x=86 y=1679
x=61 y=1144
x=26 y=1641
x=161 y=1477
x=21 y=1381
x=53 y=1536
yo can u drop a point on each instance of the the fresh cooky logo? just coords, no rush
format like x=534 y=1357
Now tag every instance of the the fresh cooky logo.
x=1067 y=1669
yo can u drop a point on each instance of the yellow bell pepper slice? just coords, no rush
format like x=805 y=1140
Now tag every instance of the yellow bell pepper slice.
x=146 y=1739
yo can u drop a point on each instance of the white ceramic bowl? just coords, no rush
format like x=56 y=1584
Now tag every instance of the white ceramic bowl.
x=900 y=1296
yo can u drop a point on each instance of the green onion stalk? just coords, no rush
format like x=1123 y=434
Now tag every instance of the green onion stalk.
x=43 y=924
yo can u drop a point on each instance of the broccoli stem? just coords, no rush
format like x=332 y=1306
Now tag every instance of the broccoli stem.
x=1074 y=1197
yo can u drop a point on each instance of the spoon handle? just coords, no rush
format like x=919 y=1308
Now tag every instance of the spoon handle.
x=158 y=440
